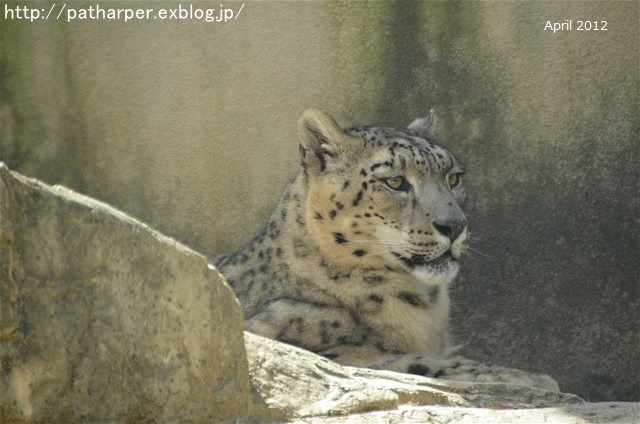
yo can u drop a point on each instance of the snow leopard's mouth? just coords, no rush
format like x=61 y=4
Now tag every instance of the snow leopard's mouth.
x=421 y=260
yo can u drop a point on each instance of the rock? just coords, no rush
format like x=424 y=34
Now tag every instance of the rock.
x=323 y=387
x=586 y=413
x=310 y=389
x=104 y=319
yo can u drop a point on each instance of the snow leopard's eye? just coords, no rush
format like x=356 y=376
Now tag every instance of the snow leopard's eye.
x=454 y=179
x=398 y=183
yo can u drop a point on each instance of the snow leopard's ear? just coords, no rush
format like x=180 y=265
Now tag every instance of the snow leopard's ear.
x=424 y=125
x=321 y=139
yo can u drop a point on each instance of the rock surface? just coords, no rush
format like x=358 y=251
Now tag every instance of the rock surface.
x=587 y=413
x=104 y=319
x=323 y=387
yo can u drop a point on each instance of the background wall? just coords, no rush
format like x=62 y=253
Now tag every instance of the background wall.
x=190 y=126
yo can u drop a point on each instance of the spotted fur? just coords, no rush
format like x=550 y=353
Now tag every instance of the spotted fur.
x=355 y=261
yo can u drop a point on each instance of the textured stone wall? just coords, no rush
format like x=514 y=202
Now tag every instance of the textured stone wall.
x=190 y=126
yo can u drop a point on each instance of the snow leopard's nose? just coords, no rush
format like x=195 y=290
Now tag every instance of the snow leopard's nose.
x=450 y=229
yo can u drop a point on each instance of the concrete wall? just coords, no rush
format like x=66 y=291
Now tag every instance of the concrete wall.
x=190 y=126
